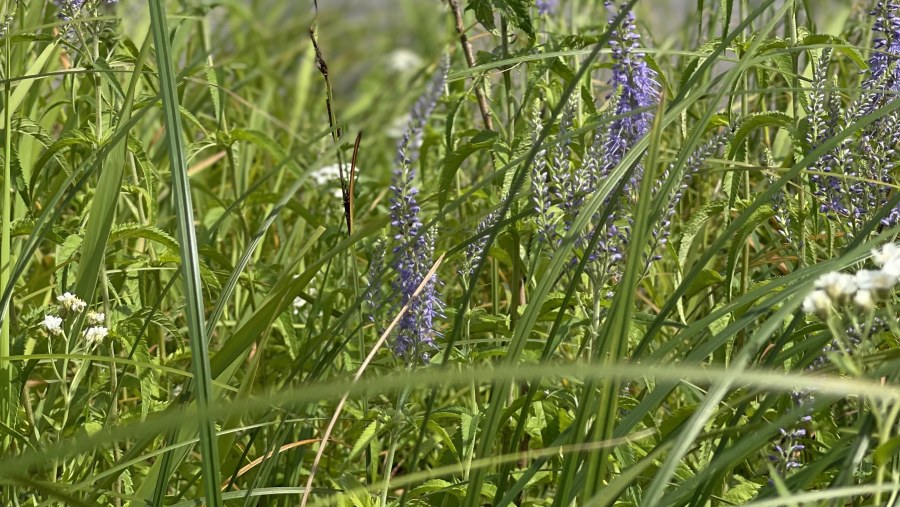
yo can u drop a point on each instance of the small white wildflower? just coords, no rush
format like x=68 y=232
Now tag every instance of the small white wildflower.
x=94 y=335
x=329 y=173
x=53 y=324
x=71 y=302
x=299 y=303
x=96 y=318
x=817 y=302
x=888 y=254
x=864 y=300
x=878 y=281
x=839 y=286
x=892 y=268
x=403 y=59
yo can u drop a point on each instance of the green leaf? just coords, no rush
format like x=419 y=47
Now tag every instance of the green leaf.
x=130 y=231
x=190 y=265
x=840 y=44
x=886 y=452
x=482 y=140
x=518 y=11
x=433 y=486
x=484 y=12
x=755 y=121
x=706 y=278
x=364 y=438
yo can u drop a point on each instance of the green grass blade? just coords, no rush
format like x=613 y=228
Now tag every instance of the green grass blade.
x=106 y=195
x=190 y=261
x=7 y=399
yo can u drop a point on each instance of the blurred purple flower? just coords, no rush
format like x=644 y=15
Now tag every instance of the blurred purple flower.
x=546 y=6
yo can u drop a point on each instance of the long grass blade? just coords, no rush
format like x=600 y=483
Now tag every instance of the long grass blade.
x=190 y=261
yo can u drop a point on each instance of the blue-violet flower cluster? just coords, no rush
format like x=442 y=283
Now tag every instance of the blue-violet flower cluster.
x=853 y=181
x=413 y=248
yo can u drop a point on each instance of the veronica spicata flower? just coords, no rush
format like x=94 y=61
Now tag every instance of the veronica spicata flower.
x=475 y=250
x=786 y=450
x=413 y=248
x=886 y=44
x=638 y=91
x=545 y=215
x=866 y=160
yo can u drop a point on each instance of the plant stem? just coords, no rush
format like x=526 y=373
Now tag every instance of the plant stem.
x=6 y=396
x=389 y=460
x=470 y=61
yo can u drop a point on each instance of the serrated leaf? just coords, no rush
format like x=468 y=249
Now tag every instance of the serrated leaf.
x=364 y=438
x=518 y=11
x=448 y=440
x=841 y=45
x=484 y=12
x=741 y=493
x=706 y=278
x=433 y=485
x=129 y=231
x=69 y=246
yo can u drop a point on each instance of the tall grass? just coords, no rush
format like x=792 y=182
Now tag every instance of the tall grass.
x=578 y=272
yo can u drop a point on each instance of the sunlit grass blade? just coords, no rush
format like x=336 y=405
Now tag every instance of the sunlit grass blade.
x=7 y=398
x=187 y=239
x=106 y=195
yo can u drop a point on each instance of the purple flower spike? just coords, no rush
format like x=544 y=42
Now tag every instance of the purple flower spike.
x=886 y=46
x=635 y=83
x=413 y=250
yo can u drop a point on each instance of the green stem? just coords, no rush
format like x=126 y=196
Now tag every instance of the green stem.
x=389 y=460
x=795 y=100
x=6 y=396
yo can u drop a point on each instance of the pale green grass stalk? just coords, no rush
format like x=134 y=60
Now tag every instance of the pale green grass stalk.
x=187 y=239
x=8 y=406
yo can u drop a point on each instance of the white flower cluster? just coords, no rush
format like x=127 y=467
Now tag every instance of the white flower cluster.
x=326 y=176
x=863 y=288
x=71 y=303
x=94 y=335
x=53 y=324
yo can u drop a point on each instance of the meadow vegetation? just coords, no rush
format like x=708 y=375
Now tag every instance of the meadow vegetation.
x=452 y=253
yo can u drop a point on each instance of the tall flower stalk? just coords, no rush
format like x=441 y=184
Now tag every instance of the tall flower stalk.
x=627 y=117
x=413 y=248
x=638 y=91
x=853 y=181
